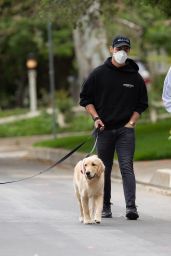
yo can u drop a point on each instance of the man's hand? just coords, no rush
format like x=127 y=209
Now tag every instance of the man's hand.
x=97 y=121
x=99 y=124
x=133 y=120
x=129 y=125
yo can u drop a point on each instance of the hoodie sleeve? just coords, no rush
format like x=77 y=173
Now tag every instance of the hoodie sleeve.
x=87 y=91
x=142 y=104
x=166 y=96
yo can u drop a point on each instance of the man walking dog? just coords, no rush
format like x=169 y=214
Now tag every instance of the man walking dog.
x=115 y=95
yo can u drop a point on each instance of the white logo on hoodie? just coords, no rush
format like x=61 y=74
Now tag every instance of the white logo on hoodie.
x=128 y=85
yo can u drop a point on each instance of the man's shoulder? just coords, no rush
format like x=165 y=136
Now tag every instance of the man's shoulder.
x=140 y=78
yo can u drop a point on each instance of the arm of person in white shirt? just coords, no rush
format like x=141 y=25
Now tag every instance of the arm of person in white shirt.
x=166 y=96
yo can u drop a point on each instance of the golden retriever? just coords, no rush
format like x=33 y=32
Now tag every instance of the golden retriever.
x=89 y=186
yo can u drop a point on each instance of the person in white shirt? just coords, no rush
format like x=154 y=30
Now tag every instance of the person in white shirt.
x=166 y=96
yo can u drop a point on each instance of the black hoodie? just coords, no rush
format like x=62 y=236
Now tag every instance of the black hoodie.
x=115 y=93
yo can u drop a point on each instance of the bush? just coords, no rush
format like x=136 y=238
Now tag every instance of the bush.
x=64 y=103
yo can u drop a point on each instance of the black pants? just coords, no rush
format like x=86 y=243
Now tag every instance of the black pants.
x=123 y=140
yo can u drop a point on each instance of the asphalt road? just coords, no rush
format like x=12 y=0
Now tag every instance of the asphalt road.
x=39 y=217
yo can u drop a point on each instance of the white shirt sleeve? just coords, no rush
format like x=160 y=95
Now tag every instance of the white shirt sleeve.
x=166 y=96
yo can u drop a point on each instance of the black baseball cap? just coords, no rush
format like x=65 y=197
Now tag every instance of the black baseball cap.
x=120 y=41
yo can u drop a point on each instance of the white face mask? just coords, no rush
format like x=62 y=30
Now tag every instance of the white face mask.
x=120 y=56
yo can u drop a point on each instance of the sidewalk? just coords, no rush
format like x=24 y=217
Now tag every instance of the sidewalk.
x=155 y=173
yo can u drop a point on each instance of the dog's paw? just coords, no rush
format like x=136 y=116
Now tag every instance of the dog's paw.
x=81 y=219
x=97 y=221
x=88 y=221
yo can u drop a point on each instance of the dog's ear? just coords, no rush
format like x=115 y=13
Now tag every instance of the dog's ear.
x=101 y=168
x=83 y=167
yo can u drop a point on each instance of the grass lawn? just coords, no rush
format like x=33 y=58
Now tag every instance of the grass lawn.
x=152 y=139
x=43 y=125
x=34 y=126
x=11 y=112
x=151 y=143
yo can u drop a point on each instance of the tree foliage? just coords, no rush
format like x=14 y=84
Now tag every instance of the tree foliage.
x=23 y=29
x=146 y=24
x=144 y=20
x=23 y=32
x=163 y=5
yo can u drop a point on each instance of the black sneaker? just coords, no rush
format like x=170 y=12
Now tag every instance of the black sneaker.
x=131 y=213
x=106 y=212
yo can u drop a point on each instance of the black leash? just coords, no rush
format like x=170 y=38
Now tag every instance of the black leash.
x=57 y=162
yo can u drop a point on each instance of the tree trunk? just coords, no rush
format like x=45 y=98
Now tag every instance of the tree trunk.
x=90 y=42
